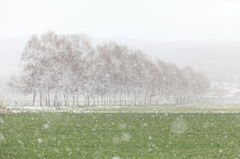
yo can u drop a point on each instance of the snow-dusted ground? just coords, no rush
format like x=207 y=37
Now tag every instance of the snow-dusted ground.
x=126 y=109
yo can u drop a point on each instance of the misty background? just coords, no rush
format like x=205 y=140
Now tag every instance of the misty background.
x=203 y=34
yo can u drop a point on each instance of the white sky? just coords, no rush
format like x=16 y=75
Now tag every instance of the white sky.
x=148 y=21
x=144 y=19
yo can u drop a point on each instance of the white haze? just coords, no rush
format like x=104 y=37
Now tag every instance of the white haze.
x=204 y=34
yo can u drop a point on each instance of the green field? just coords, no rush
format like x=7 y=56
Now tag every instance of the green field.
x=120 y=136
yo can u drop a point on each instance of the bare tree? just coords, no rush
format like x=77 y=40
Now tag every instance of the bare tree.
x=63 y=67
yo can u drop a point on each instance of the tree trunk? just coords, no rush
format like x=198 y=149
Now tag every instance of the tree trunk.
x=34 y=97
x=40 y=97
x=73 y=102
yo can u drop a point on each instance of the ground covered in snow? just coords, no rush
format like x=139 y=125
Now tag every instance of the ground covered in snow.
x=120 y=135
x=199 y=108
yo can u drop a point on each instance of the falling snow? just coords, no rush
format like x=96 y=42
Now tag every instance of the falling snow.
x=45 y=126
x=39 y=140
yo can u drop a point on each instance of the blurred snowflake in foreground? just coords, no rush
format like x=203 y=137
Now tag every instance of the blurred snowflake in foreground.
x=1 y=121
x=2 y=138
x=45 y=126
x=179 y=126
x=39 y=140
x=124 y=138
x=122 y=126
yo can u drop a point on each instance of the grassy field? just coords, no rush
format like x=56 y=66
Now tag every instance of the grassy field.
x=120 y=136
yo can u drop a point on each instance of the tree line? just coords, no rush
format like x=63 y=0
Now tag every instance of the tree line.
x=68 y=70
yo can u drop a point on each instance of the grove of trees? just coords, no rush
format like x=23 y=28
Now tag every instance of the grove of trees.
x=68 y=70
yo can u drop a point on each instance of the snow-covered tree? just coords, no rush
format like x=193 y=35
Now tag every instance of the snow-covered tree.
x=68 y=70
